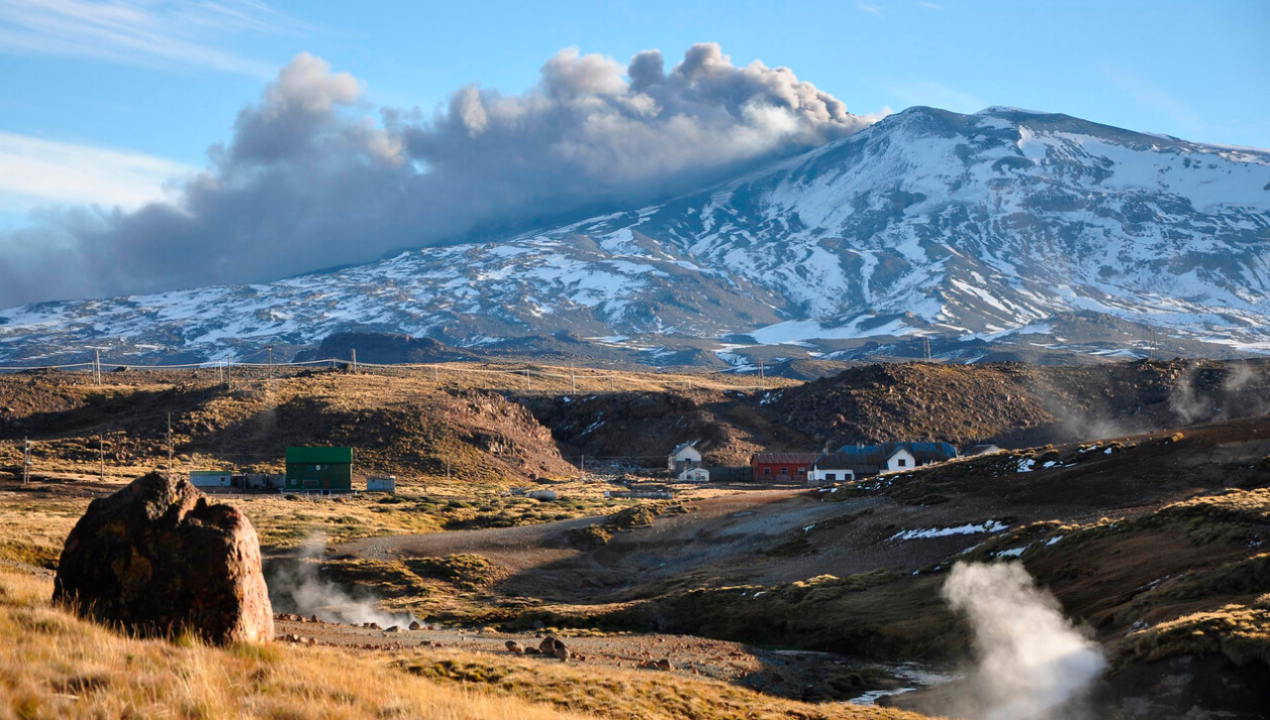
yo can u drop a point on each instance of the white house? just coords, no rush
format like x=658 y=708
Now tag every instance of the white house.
x=830 y=468
x=852 y=462
x=900 y=459
x=684 y=455
x=695 y=474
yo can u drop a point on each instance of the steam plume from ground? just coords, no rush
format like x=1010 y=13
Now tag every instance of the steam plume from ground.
x=1032 y=664
x=311 y=180
x=295 y=586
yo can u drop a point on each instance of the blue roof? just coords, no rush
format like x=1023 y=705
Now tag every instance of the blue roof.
x=928 y=450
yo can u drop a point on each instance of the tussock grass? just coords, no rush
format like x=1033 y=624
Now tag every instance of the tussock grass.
x=1240 y=632
x=53 y=665
x=32 y=532
x=645 y=694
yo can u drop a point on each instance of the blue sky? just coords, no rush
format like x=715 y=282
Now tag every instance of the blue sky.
x=99 y=102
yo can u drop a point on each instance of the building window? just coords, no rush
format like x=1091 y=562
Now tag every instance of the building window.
x=802 y=471
x=902 y=462
x=767 y=471
x=831 y=477
x=784 y=471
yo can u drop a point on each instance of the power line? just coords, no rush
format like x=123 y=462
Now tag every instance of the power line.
x=225 y=368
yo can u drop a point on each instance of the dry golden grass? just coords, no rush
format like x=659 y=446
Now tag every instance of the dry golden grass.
x=1240 y=632
x=32 y=532
x=33 y=529
x=283 y=523
x=53 y=665
x=633 y=693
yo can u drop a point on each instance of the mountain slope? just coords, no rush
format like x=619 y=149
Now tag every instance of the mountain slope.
x=969 y=227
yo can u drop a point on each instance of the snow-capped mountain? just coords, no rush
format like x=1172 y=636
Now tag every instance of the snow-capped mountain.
x=972 y=227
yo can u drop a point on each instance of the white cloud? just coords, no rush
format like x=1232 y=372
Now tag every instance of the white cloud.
x=36 y=172
x=152 y=33
x=867 y=8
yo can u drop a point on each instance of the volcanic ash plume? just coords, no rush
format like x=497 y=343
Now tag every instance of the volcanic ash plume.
x=1032 y=663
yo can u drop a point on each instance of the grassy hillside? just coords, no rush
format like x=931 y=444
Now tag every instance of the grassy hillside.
x=53 y=665
x=410 y=426
x=463 y=421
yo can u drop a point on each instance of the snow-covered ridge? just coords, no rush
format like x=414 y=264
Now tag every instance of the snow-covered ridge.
x=974 y=226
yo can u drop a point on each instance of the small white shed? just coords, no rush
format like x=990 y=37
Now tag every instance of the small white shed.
x=684 y=455
x=211 y=478
x=829 y=473
x=381 y=483
x=695 y=475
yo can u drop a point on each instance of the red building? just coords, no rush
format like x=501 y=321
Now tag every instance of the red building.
x=781 y=466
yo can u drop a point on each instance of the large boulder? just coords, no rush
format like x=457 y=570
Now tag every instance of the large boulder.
x=158 y=558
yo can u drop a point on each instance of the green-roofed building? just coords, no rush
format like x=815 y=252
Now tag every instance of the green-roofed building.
x=320 y=468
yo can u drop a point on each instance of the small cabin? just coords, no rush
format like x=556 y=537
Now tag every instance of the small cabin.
x=381 y=483
x=684 y=455
x=204 y=479
x=695 y=475
x=832 y=468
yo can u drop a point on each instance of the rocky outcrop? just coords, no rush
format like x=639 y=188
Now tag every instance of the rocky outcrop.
x=387 y=348
x=158 y=558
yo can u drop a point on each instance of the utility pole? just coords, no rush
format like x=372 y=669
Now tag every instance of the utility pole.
x=527 y=379
x=762 y=377
x=270 y=349
x=101 y=456
x=354 y=359
x=169 y=446
x=97 y=366
x=573 y=375
x=582 y=466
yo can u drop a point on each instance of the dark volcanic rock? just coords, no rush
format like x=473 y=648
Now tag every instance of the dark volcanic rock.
x=158 y=558
x=379 y=347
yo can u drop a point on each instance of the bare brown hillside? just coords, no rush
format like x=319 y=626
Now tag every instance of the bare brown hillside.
x=410 y=426
x=1018 y=404
x=642 y=427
